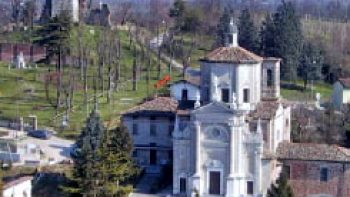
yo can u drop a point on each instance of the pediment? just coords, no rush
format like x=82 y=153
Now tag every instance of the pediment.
x=214 y=107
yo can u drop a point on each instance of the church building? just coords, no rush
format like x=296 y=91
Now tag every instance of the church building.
x=224 y=145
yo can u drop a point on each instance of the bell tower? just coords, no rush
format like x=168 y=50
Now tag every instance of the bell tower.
x=270 y=83
x=232 y=35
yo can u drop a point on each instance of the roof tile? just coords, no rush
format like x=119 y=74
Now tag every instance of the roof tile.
x=158 y=104
x=232 y=55
x=313 y=152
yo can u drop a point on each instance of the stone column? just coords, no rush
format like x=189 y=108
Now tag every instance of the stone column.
x=239 y=150
x=198 y=147
x=232 y=148
x=196 y=177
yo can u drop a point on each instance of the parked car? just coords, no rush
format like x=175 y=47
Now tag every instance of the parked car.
x=42 y=134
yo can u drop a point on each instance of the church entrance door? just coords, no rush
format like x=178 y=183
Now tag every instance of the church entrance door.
x=214 y=182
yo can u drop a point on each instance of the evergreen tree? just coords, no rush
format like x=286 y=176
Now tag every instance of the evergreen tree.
x=281 y=188
x=87 y=160
x=223 y=27
x=310 y=64
x=103 y=164
x=267 y=42
x=54 y=35
x=287 y=39
x=248 y=36
x=117 y=165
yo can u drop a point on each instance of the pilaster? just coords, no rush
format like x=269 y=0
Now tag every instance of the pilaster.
x=196 y=177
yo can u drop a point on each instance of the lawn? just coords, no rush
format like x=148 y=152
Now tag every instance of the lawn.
x=308 y=95
x=23 y=93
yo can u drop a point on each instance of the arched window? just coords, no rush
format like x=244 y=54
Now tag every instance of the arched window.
x=269 y=78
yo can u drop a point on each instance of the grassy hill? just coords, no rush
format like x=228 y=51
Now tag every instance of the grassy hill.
x=23 y=93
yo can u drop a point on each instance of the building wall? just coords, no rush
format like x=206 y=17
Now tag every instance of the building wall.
x=162 y=141
x=23 y=189
x=176 y=91
x=235 y=78
x=305 y=178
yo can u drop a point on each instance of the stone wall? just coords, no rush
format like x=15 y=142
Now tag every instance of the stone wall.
x=32 y=53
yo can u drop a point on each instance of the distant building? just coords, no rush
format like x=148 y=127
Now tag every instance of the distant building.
x=341 y=93
x=20 y=187
x=71 y=6
x=100 y=16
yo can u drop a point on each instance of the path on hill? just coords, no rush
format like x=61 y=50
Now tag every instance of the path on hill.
x=160 y=38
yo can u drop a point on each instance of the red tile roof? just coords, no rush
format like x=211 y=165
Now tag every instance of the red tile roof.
x=237 y=55
x=313 y=152
x=158 y=104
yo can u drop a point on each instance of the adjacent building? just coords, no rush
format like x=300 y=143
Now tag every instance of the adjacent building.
x=341 y=93
x=316 y=170
x=151 y=125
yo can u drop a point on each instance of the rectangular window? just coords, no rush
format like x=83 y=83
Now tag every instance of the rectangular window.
x=246 y=96
x=286 y=171
x=135 y=129
x=182 y=185
x=250 y=187
x=134 y=153
x=225 y=95
x=184 y=95
x=324 y=174
x=153 y=130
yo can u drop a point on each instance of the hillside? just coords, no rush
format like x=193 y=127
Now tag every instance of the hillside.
x=23 y=93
